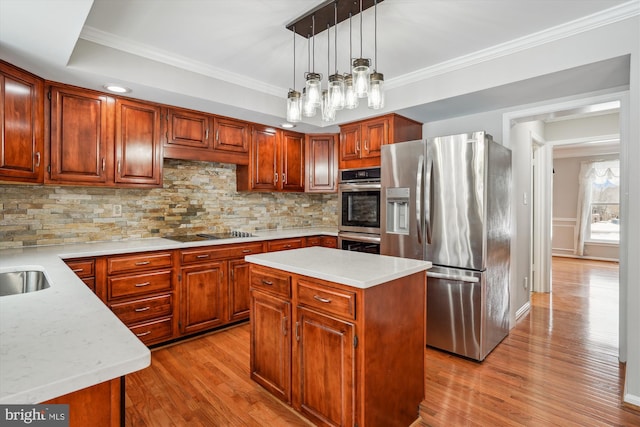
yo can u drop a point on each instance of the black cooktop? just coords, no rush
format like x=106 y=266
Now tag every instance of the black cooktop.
x=208 y=236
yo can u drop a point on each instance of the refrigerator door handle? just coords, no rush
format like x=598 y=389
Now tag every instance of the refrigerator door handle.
x=427 y=199
x=453 y=277
x=419 y=198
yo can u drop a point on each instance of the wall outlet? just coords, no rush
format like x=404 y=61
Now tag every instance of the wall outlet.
x=525 y=283
x=117 y=210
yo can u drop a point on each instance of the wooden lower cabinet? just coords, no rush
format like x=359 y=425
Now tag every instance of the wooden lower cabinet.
x=351 y=357
x=203 y=297
x=270 y=344
x=324 y=368
x=101 y=405
x=214 y=283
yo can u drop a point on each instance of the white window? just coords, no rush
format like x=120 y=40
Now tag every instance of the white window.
x=604 y=225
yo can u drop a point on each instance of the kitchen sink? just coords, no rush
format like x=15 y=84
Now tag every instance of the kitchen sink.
x=21 y=282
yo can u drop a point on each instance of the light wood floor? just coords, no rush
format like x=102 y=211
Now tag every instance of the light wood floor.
x=558 y=366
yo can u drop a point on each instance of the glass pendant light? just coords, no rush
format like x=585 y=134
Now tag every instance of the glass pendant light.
x=294 y=104
x=328 y=112
x=350 y=98
x=336 y=81
x=361 y=69
x=376 y=79
x=313 y=79
x=308 y=108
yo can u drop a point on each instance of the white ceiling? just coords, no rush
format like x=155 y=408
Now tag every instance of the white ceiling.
x=235 y=57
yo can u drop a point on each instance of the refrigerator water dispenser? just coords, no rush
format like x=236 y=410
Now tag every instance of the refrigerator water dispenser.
x=397 y=210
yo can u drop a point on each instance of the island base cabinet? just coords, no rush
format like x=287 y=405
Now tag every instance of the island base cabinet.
x=271 y=344
x=354 y=356
x=101 y=405
x=325 y=378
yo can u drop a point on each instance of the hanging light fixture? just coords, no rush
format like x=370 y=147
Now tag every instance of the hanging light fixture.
x=376 y=79
x=328 y=112
x=342 y=90
x=360 y=69
x=336 y=81
x=308 y=108
x=313 y=79
x=350 y=97
x=294 y=104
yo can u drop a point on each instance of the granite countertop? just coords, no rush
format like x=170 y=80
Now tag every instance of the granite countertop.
x=63 y=338
x=357 y=269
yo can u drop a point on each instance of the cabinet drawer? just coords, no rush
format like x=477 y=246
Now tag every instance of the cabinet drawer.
x=155 y=331
x=331 y=300
x=139 y=284
x=139 y=262
x=191 y=256
x=271 y=281
x=83 y=267
x=281 y=245
x=143 y=309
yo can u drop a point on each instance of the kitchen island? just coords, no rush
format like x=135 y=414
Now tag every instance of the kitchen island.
x=340 y=335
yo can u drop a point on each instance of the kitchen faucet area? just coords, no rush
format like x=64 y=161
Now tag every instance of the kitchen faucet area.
x=345 y=213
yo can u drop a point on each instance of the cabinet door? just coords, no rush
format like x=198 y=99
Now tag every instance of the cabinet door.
x=239 y=296
x=271 y=344
x=321 y=163
x=350 y=142
x=375 y=135
x=203 y=297
x=324 y=381
x=231 y=135
x=137 y=146
x=188 y=129
x=264 y=158
x=81 y=136
x=21 y=125
x=292 y=163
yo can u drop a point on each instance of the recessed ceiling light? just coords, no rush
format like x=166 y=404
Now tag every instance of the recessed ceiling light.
x=288 y=125
x=116 y=88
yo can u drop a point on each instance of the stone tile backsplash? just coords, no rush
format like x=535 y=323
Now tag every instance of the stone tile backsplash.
x=197 y=197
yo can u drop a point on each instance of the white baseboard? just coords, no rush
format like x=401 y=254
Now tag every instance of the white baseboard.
x=523 y=310
x=592 y=258
x=632 y=400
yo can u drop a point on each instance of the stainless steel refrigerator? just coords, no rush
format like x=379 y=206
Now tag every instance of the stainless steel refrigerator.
x=447 y=200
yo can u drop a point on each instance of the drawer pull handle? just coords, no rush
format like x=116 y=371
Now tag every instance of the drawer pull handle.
x=77 y=270
x=319 y=298
x=247 y=251
x=287 y=246
x=138 y=310
x=267 y=282
x=142 y=263
x=142 y=334
x=140 y=285
x=203 y=256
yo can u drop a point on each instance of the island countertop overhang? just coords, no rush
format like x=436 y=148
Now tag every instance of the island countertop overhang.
x=357 y=269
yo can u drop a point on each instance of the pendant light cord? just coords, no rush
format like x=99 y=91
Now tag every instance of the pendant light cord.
x=360 y=28
x=375 y=33
x=335 y=34
x=294 y=57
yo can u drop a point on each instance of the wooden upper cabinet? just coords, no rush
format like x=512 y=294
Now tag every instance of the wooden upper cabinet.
x=191 y=135
x=231 y=135
x=81 y=136
x=321 y=154
x=361 y=142
x=264 y=158
x=21 y=125
x=292 y=162
x=187 y=129
x=138 y=146
x=98 y=139
x=276 y=161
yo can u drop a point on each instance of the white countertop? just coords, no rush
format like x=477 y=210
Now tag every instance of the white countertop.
x=357 y=269
x=62 y=339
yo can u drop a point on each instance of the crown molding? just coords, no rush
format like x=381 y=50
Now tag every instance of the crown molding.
x=609 y=16
x=113 y=41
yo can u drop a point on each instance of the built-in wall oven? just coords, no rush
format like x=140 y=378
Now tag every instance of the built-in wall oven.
x=359 y=210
